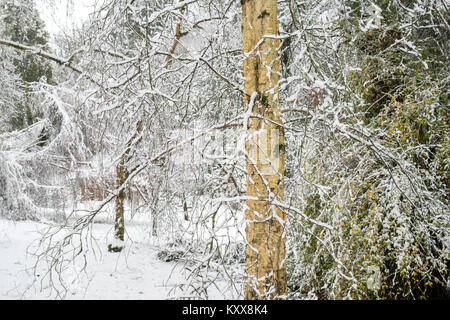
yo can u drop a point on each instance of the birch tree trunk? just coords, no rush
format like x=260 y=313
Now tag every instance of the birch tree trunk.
x=265 y=222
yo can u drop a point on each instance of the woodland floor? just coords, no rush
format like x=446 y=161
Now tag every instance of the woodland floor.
x=135 y=273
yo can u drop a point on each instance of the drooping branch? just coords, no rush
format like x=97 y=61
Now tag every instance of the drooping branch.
x=46 y=55
x=38 y=51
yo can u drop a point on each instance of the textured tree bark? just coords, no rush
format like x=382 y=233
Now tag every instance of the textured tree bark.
x=122 y=176
x=265 y=222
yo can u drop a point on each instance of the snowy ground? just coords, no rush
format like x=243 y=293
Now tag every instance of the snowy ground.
x=135 y=273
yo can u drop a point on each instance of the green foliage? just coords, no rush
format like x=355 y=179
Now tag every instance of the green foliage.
x=403 y=96
x=403 y=84
x=386 y=201
x=20 y=22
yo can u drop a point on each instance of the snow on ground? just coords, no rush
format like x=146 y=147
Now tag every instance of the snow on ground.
x=135 y=273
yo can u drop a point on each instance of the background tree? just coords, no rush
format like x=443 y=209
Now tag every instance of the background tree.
x=21 y=23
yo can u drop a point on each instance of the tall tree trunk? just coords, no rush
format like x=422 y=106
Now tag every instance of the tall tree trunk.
x=265 y=222
x=122 y=176
x=119 y=225
x=155 y=224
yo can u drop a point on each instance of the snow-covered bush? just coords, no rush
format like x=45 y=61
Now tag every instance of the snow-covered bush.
x=15 y=203
x=372 y=162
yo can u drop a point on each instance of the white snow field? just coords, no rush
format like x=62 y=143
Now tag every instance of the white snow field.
x=135 y=273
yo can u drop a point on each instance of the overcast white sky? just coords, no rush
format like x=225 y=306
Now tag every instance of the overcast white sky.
x=63 y=14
